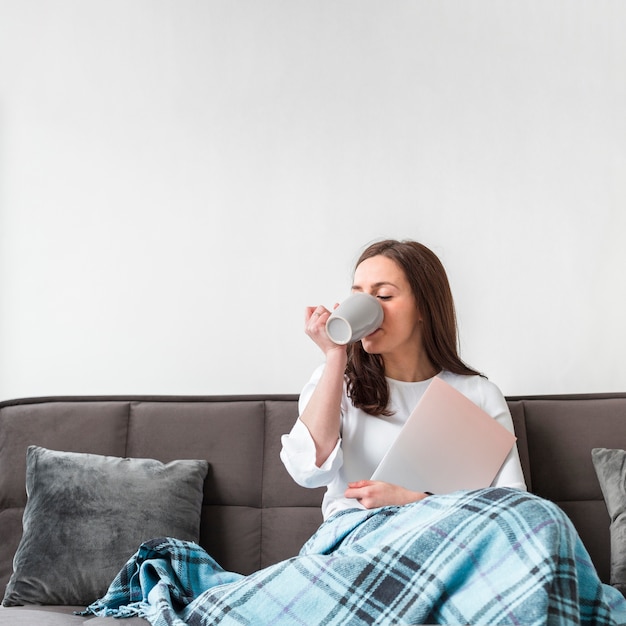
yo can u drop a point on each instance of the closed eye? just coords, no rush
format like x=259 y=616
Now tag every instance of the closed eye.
x=384 y=297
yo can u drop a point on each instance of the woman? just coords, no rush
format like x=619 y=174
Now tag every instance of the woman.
x=353 y=407
x=385 y=555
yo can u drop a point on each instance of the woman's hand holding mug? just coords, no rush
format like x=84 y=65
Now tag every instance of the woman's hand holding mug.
x=356 y=317
x=315 y=327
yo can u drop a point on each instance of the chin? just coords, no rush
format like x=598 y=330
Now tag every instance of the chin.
x=370 y=346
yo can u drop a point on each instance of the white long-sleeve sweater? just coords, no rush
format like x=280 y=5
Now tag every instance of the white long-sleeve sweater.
x=365 y=439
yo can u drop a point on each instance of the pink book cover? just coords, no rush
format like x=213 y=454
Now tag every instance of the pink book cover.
x=447 y=444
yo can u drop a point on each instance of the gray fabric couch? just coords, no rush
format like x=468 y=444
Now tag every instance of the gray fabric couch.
x=253 y=514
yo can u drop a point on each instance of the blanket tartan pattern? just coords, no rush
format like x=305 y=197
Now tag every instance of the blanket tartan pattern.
x=491 y=556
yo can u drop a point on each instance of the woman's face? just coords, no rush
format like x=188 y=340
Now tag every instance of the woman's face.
x=400 y=331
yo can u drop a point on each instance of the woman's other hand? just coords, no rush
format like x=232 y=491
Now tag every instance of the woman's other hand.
x=375 y=493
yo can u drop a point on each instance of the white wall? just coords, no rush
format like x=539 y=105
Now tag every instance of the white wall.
x=180 y=178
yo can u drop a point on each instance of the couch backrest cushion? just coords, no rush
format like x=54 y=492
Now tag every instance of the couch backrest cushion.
x=558 y=435
x=253 y=513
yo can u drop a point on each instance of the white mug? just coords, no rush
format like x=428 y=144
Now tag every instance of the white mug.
x=356 y=317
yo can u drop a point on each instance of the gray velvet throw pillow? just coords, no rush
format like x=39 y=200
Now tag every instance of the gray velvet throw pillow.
x=87 y=514
x=610 y=466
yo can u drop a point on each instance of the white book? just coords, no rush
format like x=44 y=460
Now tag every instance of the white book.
x=448 y=443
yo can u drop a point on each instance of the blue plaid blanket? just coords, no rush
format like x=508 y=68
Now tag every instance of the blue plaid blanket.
x=492 y=556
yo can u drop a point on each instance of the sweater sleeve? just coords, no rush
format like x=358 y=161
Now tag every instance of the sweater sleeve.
x=298 y=448
x=298 y=457
x=494 y=403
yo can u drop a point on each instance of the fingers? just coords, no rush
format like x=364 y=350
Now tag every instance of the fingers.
x=315 y=320
x=315 y=328
x=364 y=492
x=360 y=483
x=313 y=312
x=359 y=489
x=317 y=311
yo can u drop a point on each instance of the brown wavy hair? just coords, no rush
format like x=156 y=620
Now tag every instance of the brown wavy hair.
x=367 y=386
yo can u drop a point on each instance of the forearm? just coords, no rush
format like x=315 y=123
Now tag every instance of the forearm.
x=322 y=414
